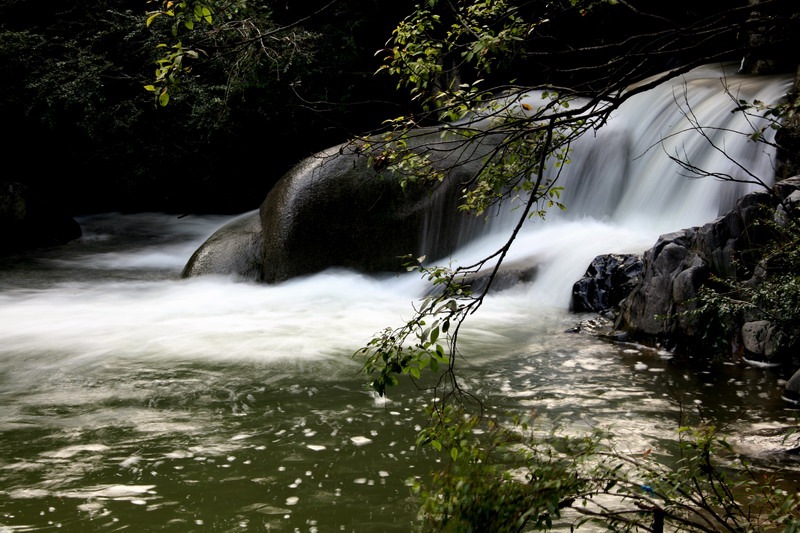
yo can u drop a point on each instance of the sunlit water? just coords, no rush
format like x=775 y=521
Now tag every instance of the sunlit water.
x=131 y=399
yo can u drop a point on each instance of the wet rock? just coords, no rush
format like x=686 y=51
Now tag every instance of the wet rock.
x=234 y=249
x=682 y=262
x=599 y=326
x=607 y=281
x=758 y=339
x=791 y=391
x=508 y=276
x=348 y=207
x=770 y=446
x=343 y=208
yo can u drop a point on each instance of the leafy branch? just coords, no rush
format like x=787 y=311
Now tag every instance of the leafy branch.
x=518 y=475
x=519 y=145
x=233 y=30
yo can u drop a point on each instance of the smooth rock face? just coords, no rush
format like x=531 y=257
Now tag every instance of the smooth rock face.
x=234 y=249
x=343 y=208
x=758 y=339
x=334 y=210
x=791 y=390
x=339 y=208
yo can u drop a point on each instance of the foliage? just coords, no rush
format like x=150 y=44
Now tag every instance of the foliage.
x=416 y=346
x=771 y=294
x=244 y=33
x=519 y=476
x=498 y=478
x=73 y=73
x=431 y=336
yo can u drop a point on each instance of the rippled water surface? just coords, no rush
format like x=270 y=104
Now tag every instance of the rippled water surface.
x=131 y=399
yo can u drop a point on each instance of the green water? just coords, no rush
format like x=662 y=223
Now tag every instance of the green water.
x=131 y=400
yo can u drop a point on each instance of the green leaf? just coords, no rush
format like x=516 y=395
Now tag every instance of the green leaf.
x=454 y=453
x=440 y=351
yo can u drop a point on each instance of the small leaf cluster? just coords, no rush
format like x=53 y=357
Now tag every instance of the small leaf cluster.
x=415 y=59
x=394 y=154
x=774 y=115
x=584 y=6
x=236 y=36
x=171 y=66
x=422 y=342
x=521 y=166
x=438 y=39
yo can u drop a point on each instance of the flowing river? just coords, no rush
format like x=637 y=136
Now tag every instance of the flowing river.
x=132 y=399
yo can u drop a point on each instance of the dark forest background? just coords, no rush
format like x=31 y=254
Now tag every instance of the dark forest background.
x=80 y=128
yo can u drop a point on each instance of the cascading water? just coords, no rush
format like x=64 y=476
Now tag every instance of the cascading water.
x=132 y=398
x=623 y=187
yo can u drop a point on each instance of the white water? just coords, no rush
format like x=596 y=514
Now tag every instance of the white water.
x=621 y=193
x=622 y=190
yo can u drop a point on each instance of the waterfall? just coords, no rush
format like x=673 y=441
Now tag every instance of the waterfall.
x=621 y=188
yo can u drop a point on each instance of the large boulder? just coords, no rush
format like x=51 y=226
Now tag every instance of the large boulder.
x=791 y=390
x=343 y=207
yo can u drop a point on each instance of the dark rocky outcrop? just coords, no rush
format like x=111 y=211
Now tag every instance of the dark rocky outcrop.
x=30 y=220
x=681 y=263
x=607 y=281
